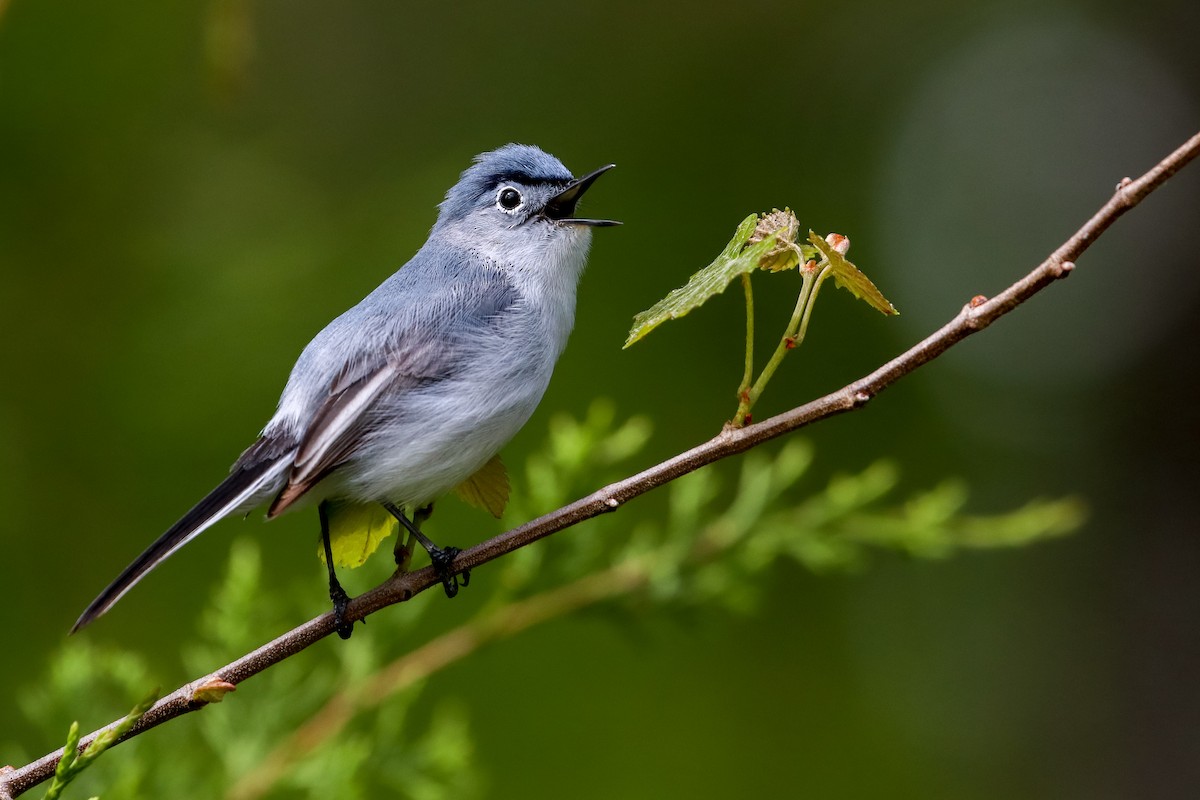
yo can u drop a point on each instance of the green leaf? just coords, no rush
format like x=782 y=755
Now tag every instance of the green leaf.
x=849 y=277
x=355 y=532
x=487 y=488
x=73 y=762
x=736 y=259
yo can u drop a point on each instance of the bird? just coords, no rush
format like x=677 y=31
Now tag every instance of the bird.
x=415 y=389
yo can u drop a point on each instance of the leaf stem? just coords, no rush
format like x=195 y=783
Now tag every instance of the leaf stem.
x=788 y=340
x=821 y=276
x=743 y=392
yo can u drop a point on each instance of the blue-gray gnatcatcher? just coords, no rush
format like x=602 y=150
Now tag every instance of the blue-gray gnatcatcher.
x=413 y=390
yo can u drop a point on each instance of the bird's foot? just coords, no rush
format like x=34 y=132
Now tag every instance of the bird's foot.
x=442 y=557
x=341 y=601
x=443 y=565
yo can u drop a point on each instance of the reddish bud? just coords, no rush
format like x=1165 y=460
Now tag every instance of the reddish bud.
x=978 y=300
x=789 y=342
x=839 y=243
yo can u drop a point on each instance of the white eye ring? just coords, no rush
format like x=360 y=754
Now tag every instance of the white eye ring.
x=509 y=199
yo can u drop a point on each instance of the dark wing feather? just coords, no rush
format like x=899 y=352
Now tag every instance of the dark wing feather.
x=334 y=434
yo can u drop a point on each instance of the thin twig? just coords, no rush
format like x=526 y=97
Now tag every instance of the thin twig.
x=975 y=316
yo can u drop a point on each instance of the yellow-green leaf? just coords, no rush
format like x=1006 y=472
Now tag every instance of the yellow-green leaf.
x=736 y=259
x=487 y=488
x=356 y=531
x=849 y=277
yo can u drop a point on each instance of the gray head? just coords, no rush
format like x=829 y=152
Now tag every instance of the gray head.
x=518 y=186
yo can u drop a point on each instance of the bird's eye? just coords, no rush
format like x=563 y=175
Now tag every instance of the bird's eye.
x=509 y=199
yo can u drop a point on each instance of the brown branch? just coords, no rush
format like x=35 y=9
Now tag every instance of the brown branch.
x=975 y=316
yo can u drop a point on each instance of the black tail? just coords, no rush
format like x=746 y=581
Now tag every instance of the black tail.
x=241 y=485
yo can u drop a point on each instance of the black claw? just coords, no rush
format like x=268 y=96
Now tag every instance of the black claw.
x=443 y=565
x=442 y=557
x=341 y=601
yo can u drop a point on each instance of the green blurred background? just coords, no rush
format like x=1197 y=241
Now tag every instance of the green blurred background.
x=189 y=191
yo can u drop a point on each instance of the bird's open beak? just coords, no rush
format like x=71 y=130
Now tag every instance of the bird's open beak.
x=561 y=207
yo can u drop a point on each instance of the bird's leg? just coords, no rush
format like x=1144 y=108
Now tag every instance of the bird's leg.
x=336 y=593
x=403 y=551
x=442 y=557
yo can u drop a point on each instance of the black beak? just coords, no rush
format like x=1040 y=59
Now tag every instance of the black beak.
x=561 y=207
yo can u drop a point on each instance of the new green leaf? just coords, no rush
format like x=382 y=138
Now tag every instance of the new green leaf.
x=849 y=277
x=356 y=531
x=738 y=258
